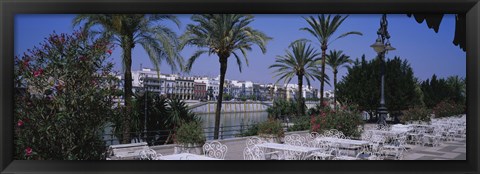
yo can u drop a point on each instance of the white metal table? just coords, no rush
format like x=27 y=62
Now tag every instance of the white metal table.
x=291 y=151
x=346 y=142
x=288 y=147
x=186 y=156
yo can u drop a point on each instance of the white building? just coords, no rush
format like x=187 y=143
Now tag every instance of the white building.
x=211 y=83
x=327 y=94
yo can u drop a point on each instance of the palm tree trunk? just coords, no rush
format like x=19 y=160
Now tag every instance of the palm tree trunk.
x=127 y=58
x=334 y=90
x=300 y=108
x=322 y=81
x=223 y=70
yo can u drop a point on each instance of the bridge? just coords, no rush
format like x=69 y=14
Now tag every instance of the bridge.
x=235 y=106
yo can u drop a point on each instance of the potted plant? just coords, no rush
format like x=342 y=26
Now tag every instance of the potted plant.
x=190 y=138
x=271 y=130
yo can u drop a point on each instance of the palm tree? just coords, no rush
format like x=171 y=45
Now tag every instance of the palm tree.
x=223 y=35
x=336 y=59
x=178 y=114
x=127 y=30
x=323 y=29
x=300 y=62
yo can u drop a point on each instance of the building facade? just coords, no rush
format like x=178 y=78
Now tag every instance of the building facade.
x=200 y=91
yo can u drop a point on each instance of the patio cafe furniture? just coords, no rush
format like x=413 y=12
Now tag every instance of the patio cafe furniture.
x=126 y=151
x=215 y=149
x=390 y=135
x=396 y=148
x=253 y=153
x=149 y=154
x=253 y=141
x=291 y=152
x=344 y=144
x=186 y=156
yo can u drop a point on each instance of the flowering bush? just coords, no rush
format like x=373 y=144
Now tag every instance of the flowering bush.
x=345 y=119
x=448 y=108
x=417 y=113
x=63 y=98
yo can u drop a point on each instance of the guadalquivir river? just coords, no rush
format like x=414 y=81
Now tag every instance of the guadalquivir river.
x=231 y=122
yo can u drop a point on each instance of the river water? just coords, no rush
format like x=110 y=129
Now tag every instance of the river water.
x=231 y=122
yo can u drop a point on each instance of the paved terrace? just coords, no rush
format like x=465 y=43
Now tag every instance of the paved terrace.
x=448 y=150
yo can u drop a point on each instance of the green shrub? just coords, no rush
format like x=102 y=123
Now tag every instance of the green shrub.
x=282 y=108
x=417 y=113
x=300 y=124
x=346 y=119
x=191 y=132
x=64 y=98
x=251 y=131
x=272 y=127
x=448 y=108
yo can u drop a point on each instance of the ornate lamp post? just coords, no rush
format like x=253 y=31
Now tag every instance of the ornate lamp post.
x=382 y=46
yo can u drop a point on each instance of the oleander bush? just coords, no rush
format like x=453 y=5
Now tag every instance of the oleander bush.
x=416 y=113
x=448 y=108
x=345 y=119
x=64 y=96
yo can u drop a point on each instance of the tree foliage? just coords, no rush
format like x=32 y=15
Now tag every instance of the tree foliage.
x=222 y=35
x=437 y=90
x=128 y=30
x=323 y=30
x=361 y=85
x=301 y=62
x=65 y=96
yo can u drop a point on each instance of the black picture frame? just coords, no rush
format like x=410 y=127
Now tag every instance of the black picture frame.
x=8 y=8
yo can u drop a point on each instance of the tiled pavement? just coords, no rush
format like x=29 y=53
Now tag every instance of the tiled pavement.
x=447 y=150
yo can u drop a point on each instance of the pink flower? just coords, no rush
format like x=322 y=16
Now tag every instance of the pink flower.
x=109 y=51
x=20 y=123
x=83 y=58
x=38 y=72
x=28 y=151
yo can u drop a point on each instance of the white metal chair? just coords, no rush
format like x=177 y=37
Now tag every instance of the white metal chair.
x=310 y=139
x=253 y=141
x=368 y=154
x=295 y=140
x=253 y=153
x=396 y=149
x=149 y=154
x=325 y=153
x=215 y=149
x=416 y=136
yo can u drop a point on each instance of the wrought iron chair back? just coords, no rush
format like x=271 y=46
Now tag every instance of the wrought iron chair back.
x=215 y=149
